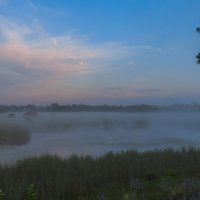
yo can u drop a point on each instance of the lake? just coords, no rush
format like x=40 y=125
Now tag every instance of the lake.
x=97 y=133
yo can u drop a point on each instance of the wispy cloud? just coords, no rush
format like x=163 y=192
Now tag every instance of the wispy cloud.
x=115 y=88
x=153 y=48
x=34 y=63
x=148 y=91
x=145 y=92
x=127 y=92
x=28 y=57
x=21 y=44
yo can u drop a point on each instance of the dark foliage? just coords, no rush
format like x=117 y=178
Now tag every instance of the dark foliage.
x=198 y=56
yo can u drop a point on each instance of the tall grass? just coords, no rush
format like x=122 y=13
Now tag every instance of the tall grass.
x=13 y=134
x=77 y=176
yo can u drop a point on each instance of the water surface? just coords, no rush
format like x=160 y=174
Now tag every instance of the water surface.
x=97 y=133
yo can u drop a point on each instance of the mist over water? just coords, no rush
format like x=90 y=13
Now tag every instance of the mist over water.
x=96 y=133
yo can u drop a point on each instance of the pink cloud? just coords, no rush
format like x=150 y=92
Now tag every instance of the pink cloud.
x=50 y=60
x=57 y=54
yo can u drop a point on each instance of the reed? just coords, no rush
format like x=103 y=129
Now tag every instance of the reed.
x=127 y=173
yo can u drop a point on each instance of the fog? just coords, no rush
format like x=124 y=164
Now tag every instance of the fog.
x=97 y=133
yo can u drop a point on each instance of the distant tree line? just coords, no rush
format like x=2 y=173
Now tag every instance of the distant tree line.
x=55 y=107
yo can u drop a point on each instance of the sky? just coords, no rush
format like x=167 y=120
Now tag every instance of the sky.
x=119 y=52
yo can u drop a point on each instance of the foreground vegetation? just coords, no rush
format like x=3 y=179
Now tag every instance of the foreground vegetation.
x=13 y=134
x=166 y=174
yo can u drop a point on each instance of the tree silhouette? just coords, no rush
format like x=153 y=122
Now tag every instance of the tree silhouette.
x=198 y=56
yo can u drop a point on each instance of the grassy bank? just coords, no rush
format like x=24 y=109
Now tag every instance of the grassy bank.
x=127 y=175
x=13 y=134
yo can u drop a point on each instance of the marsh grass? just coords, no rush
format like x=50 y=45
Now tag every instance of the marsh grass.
x=154 y=175
x=13 y=134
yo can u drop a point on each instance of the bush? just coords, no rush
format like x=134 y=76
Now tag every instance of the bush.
x=31 y=194
x=1 y=195
x=11 y=134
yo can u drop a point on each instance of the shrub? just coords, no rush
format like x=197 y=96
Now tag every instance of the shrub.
x=31 y=194
x=11 y=134
x=1 y=195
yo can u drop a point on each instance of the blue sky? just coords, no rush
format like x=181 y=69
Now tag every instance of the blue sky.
x=99 y=51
